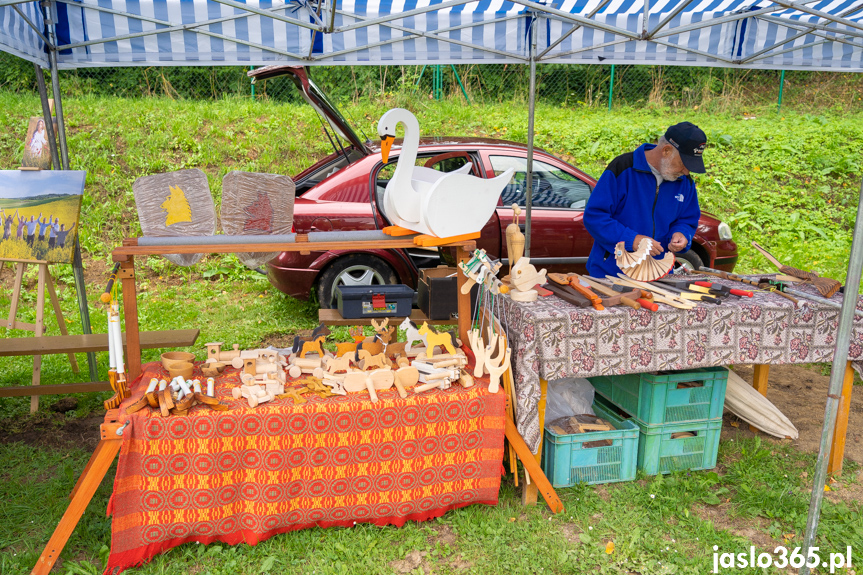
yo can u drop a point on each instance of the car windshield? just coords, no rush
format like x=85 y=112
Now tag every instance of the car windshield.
x=552 y=187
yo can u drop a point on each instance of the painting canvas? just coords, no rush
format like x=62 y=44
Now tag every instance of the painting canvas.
x=37 y=151
x=39 y=212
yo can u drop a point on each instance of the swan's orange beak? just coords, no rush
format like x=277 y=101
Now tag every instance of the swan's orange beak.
x=386 y=144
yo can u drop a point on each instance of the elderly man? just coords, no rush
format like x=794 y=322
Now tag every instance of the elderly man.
x=647 y=193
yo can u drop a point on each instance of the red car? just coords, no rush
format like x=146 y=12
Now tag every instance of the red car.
x=344 y=191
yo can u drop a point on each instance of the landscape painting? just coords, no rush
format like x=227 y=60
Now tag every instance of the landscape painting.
x=39 y=211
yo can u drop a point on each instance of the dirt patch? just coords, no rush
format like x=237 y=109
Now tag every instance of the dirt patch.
x=54 y=430
x=571 y=533
x=800 y=392
x=444 y=535
x=413 y=560
x=753 y=530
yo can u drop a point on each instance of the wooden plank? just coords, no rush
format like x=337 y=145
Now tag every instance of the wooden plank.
x=464 y=311
x=16 y=293
x=56 y=389
x=759 y=382
x=126 y=274
x=332 y=317
x=528 y=460
x=530 y=490
x=84 y=493
x=837 y=449
x=130 y=247
x=58 y=313
x=40 y=312
x=59 y=344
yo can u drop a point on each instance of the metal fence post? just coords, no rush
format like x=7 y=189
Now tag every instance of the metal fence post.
x=611 y=88
x=251 y=68
x=781 y=85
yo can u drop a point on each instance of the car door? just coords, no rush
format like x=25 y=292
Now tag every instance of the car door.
x=559 y=241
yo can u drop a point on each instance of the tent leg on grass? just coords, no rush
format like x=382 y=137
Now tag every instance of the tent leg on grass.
x=837 y=374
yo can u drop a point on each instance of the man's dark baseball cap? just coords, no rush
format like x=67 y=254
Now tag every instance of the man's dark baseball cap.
x=690 y=141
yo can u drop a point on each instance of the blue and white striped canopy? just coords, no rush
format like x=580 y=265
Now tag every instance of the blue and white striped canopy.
x=804 y=34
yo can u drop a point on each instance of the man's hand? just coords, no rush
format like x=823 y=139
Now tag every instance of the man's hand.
x=677 y=243
x=655 y=248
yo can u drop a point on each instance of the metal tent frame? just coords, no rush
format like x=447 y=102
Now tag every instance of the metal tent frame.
x=763 y=34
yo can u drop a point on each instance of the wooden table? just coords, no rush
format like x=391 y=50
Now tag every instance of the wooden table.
x=126 y=253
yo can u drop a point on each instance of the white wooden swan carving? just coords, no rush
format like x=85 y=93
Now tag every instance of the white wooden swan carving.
x=434 y=203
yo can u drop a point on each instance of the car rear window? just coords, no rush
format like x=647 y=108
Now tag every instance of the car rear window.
x=552 y=187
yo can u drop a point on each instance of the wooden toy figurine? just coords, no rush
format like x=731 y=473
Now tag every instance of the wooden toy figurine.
x=215 y=353
x=413 y=334
x=367 y=361
x=316 y=345
x=347 y=347
x=445 y=340
x=514 y=239
x=381 y=379
x=382 y=332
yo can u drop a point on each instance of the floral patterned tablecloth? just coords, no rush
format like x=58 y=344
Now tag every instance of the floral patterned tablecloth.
x=552 y=339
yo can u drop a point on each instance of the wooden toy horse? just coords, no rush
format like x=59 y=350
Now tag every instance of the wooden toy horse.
x=369 y=361
x=445 y=340
x=305 y=336
x=317 y=346
x=339 y=364
x=412 y=333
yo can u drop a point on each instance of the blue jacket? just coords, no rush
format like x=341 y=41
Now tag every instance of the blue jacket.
x=626 y=202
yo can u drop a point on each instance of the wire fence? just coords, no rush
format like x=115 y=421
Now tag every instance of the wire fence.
x=720 y=89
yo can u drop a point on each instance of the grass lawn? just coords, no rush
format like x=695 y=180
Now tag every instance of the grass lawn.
x=790 y=181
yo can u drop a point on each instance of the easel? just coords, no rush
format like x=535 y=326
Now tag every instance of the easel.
x=44 y=281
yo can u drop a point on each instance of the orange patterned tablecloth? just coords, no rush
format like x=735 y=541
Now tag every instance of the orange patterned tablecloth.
x=244 y=474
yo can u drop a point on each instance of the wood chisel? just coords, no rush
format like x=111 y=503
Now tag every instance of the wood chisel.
x=563 y=279
x=693 y=287
x=646 y=299
x=660 y=295
x=624 y=299
x=691 y=296
x=724 y=289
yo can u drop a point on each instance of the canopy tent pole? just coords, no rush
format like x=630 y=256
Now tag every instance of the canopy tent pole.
x=77 y=262
x=530 y=117
x=46 y=115
x=840 y=357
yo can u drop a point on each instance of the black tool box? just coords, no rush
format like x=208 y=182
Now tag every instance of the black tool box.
x=356 y=302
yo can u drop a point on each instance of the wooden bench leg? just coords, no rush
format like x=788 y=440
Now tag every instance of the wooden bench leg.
x=837 y=449
x=759 y=382
x=529 y=491
x=83 y=493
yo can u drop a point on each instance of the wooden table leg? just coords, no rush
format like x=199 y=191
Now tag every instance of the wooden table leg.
x=529 y=490
x=130 y=320
x=89 y=482
x=759 y=382
x=464 y=311
x=837 y=449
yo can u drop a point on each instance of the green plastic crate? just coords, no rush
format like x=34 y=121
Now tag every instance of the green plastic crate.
x=659 y=453
x=566 y=461
x=654 y=399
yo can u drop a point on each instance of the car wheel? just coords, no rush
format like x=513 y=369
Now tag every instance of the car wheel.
x=353 y=270
x=689 y=260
